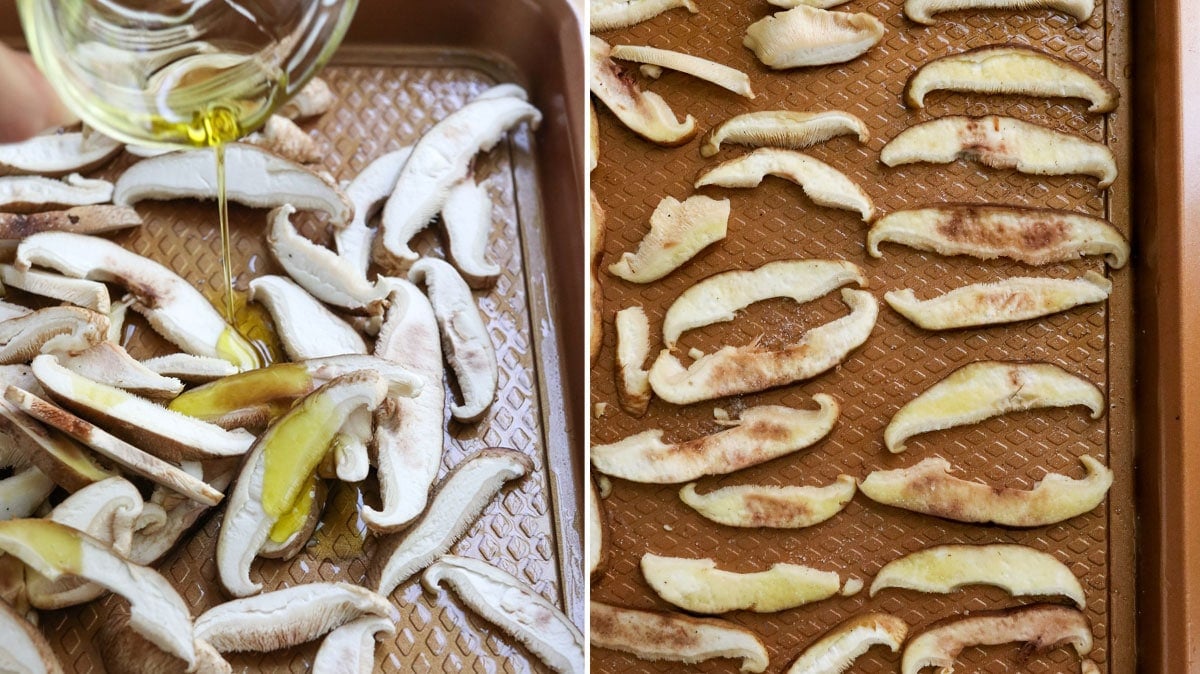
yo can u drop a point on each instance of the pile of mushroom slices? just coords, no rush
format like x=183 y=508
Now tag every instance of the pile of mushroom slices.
x=143 y=448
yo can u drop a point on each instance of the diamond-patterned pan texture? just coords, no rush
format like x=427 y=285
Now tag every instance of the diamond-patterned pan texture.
x=387 y=98
x=777 y=221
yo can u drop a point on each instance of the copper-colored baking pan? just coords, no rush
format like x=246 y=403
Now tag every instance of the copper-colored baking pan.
x=401 y=67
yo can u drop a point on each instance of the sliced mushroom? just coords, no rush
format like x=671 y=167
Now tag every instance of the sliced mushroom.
x=30 y=194
x=56 y=154
x=289 y=617
x=80 y=292
x=744 y=369
x=154 y=540
x=460 y=498
x=119 y=452
x=593 y=138
x=67 y=329
x=922 y=11
x=633 y=347
x=514 y=607
x=56 y=551
x=441 y=158
x=1011 y=69
x=721 y=75
x=255 y=177
x=117 y=312
x=755 y=505
x=596 y=233
x=929 y=488
x=23 y=492
x=808 y=36
x=784 y=129
x=351 y=460
x=283 y=137
x=465 y=338
x=301 y=521
x=1020 y=570
x=314 y=98
x=676 y=637
x=190 y=368
x=985 y=389
x=763 y=433
x=467 y=218
x=408 y=431
x=842 y=645
x=1035 y=236
x=62 y=459
x=1039 y=626
x=824 y=184
x=110 y=364
x=81 y=220
x=24 y=650
x=643 y=112
x=718 y=298
x=366 y=193
x=124 y=651
x=678 y=232
x=350 y=649
x=698 y=586
x=172 y=306
x=9 y=310
x=1007 y=301
x=597 y=532
x=306 y=328
x=277 y=471
x=1002 y=142
x=610 y=14
x=323 y=273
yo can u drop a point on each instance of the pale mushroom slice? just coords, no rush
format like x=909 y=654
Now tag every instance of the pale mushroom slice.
x=762 y=433
x=80 y=292
x=305 y=326
x=610 y=14
x=1011 y=69
x=698 y=586
x=721 y=75
x=29 y=194
x=1002 y=143
x=633 y=348
x=9 y=310
x=596 y=235
x=745 y=369
x=676 y=637
x=408 y=431
x=56 y=154
x=279 y=469
x=350 y=649
x=643 y=112
x=465 y=339
x=54 y=453
x=718 y=298
x=678 y=232
x=255 y=177
x=808 y=36
x=984 y=389
x=23 y=492
x=1035 y=236
x=314 y=98
x=289 y=617
x=825 y=185
x=1013 y=299
x=53 y=329
x=114 y=449
x=928 y=488
x=323 y=273
x=514 y=607
x=110 y=364
x=367 y=192
x=81 y=220
x=458 y=502
x=152 y=542
x=1039 y=626
x=190 y=368
x=597 y=534
x=593 y=148
x=784 y=129
x=441 y=158
x=1020 y=570
x=172 y=306
x=286 y=139
x=24 y=649
x=56 y=551
x=834 y=652
x=922 y=11
x=467 y=220
x=770 y=506
x=117 y=312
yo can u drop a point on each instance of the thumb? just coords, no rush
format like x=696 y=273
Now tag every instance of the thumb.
x=31 y=105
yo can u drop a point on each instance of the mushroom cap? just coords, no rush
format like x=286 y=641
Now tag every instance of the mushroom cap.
x=25 y=649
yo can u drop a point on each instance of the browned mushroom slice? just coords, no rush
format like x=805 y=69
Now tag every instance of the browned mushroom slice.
x=1039 y=626
x=110 y=364
x=721 y=75
x=367 y=192
x=1007 y=301
x=928 y=488
x=29 y=194
x=283 y=137
x=698 y=586
x=80 y=292
x=842 y=645
x=350 y=649
x=808 y=36
x=763 y=433
x=68 y=329
x=81 y=219
x=256 y=177
x=467 y=221
x=610 y=14
x=1011 y=69
x=124 y=651
x=1002 y=142
x=24 y=649
x=678 y=232
x=768 y=506
x=314 y=98
x=1034 y=236
x=732 y=370
x=305 y=326
x=824 y=184
x=633 y=347
x=324 y=274
x=783 y=128
x=514 y=607
x=644 y=112
x=675 y=637
x=985 y=389
x=922 y=11
x=597 y=539
x=596 y=224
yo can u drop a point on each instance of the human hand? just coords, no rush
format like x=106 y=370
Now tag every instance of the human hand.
x=28 y=105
